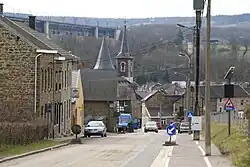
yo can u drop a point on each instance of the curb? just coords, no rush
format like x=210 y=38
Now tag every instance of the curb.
x=33 y=152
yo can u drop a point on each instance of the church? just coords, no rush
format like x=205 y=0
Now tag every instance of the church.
x=107 y=90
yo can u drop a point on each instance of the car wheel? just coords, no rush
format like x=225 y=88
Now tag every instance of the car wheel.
x=145 y=131
x=105 y=135
x=156 y=131
x=88 y=135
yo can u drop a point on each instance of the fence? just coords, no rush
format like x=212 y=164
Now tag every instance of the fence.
x=236 y=120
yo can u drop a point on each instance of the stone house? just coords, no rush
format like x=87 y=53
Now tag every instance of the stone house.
x=77 y=100
x=240 y=100
x=35 y=74
x=160 y=106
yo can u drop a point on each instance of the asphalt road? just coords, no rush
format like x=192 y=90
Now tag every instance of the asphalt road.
x=123 y=150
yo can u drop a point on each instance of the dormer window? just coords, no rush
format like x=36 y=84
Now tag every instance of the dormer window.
x=123 y=66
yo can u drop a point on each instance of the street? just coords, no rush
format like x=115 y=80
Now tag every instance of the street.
x=124 y=150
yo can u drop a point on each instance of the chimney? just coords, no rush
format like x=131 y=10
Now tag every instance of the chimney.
x=32 y=22
x=1 y=8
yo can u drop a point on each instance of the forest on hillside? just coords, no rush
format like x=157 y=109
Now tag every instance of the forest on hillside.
x=153 y=60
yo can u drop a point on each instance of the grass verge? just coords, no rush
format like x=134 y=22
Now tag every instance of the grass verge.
x=234 y=145
x=11 y=150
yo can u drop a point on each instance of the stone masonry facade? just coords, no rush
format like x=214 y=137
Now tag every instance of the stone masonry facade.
x=17 y=71
x=17 y=86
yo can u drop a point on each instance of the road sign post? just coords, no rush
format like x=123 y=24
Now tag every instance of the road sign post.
x=190 y=115
x=171 y=130
x=229 y=106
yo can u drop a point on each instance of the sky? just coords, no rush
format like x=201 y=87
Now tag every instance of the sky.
x=121 y=8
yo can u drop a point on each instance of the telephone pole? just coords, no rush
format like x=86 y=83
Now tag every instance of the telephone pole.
x=207 y=82
x=198 y=7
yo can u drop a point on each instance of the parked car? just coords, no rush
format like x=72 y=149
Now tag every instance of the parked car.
x=159 y=125
x=151 y=126
x=184 y=127
x=95 y=128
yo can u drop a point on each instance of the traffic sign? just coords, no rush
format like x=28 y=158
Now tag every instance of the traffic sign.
x=229 y=105
x=171 y=129
x=190 y=114
x=196 y=123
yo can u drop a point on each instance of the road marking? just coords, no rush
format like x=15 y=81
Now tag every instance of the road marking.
x=204 y=154
x=159 y=160
x=169 y=156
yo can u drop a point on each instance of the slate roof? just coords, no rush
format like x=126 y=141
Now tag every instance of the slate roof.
x=104 y=61
x=124 y=50
x=217 y=91
x=39 y=40
x=100 y=85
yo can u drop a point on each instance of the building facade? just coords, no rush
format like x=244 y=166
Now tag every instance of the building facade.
x=35 y=75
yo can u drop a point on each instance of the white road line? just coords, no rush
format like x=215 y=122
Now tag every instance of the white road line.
x=207 y=162
x=159 y=160
x=204 y=154
x=169 y=156
x=202 y=151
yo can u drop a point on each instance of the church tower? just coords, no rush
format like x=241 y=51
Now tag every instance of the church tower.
x=124 y=60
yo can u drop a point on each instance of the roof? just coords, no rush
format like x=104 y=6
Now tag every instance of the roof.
x=217 y=91
x=104 y=61
x=99 y=85
x=39 y=40
x=124 y=50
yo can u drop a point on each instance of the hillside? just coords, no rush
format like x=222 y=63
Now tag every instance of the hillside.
x=220 y=20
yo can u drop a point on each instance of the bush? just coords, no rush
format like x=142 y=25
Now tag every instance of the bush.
x=20 y=126
x=21 y=133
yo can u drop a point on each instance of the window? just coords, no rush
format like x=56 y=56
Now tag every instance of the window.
x=45 y=80
x=65 y=80
x=220 y=109
x=49 y=78
x=42 y=112
x=220 y=100
x=60 y=80
x=123 y=66
x=242 y=102
x=42 y=82
x=56 y=78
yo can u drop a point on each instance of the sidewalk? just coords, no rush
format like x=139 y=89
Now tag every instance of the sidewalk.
x=190 y=153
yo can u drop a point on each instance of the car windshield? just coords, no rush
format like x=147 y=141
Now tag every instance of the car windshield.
x=123 y=120
x=151 y=124
x=184 y=124
x=95 y=124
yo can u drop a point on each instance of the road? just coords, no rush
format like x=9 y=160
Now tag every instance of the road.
x=113 y=151
x=125 y=150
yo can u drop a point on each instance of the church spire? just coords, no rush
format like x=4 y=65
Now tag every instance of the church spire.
x=104 y=61
x=124 y=50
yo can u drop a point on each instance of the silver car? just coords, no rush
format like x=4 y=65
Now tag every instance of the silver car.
x=184 y=127
x=151 y=126
x=95 y=128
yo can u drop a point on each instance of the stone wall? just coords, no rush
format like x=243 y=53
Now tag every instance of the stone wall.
x=17 y=72
x=99 y=110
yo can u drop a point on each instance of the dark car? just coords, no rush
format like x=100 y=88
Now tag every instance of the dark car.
x=95 y=128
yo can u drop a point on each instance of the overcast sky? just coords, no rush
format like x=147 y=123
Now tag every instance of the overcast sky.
x=121 y=8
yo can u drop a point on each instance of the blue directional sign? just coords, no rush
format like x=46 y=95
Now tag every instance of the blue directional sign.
x=190 y=114
x=171 y=129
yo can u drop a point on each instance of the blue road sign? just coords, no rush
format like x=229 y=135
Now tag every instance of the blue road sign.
x=190 y=114
x=229 y=105
x=171 y=129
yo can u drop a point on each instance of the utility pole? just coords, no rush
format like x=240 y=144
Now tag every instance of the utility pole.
x=207 y=82
x=198 y=7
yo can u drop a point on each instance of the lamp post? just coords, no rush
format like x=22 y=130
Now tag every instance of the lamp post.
x=188 y=91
